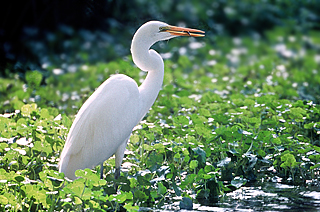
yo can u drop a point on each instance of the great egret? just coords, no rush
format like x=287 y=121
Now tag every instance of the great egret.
x=105 y=121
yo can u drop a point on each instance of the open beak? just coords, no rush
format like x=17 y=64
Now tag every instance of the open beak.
x=182 y=31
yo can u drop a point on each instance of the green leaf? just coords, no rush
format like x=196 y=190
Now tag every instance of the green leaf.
x=309 y=125
x=196 y=119
x=186 y=158
x=129 y=207
x=193 y=164
x=44 y=113
x=159 y=147
x=315 y=166
x=140 y=195
x=142 y=180
x=214 y=187
x=27 y=109
x=204 y=112
x=176 y=189
x=289 y=161
x=134 y=139
x=186 y=203
x=147 y=147
x=66 y=121
x=261 y=152
x=317 y=148
x=161 y=189
x=181 y=120
x=86 y=194
x=76 y=187
x=133 y=182
x=3 y=200
x=207 y=168
x=17 y=104
x=33 y=78
x=249 y=102
x=19 y=178
x=93 y=204
x=297 y=113
x=200 y=155
x=42 y=146
x=177 y=155
x=202 y=130
x=77 y=200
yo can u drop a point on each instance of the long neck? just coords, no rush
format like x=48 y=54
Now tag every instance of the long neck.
x=150 y=61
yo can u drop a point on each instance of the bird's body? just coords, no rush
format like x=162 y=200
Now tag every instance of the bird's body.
x=97 y=123
x=105 y=121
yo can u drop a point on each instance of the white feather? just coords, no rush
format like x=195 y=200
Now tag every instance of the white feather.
x=105 y=121
x=99 y=126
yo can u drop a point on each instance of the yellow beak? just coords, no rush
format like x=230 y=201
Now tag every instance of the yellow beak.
x=182 y=31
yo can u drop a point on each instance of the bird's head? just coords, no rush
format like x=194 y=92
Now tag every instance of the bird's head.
x=156 y=31
x=150 y=33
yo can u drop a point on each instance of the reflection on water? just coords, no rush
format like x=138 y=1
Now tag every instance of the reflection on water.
x=266 y=197
x=269 y=197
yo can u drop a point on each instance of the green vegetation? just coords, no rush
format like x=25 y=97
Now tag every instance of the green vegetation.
x=237 y=112
x=232 y=111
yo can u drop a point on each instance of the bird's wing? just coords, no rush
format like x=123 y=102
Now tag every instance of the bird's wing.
x=102 y=124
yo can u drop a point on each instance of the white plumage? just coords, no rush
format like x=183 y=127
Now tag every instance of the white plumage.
x=105 y=121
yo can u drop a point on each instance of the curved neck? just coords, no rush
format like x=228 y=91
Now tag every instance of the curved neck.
x=150 y=61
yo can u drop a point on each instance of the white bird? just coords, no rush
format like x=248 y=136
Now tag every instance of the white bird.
x=105 y=121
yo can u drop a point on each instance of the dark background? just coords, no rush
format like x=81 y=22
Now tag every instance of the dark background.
x=23 y=22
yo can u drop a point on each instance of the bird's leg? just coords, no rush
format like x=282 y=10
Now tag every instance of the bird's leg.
x=101 y=171
x=119 y=157
x=117 y=173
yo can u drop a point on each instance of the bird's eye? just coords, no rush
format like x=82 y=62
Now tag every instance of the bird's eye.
x=162 y=29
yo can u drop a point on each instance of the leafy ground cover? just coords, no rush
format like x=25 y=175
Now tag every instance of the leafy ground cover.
x=232 y=111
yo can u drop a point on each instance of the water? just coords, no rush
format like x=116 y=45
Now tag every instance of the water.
x=264 y=197
x=271 y=197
